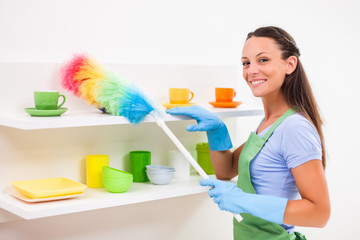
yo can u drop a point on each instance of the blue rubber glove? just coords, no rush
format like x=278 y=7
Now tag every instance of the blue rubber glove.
x=232 y=199
x=217 y=133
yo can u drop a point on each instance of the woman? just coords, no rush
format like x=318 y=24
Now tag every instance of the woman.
x=283 y=158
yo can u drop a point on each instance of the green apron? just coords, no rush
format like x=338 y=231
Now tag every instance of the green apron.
x=251 y=227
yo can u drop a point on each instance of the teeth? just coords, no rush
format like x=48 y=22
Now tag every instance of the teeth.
x=257 y=82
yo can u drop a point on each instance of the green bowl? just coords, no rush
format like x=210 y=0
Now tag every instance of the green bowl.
x=110 y=172
x=117 y=185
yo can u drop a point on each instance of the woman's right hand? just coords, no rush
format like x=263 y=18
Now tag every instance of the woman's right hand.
x=207 y=121
x=217 y=133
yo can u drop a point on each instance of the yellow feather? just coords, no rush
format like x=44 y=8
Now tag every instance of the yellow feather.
x=88 y=90
x=89 y=73
x=90 y=69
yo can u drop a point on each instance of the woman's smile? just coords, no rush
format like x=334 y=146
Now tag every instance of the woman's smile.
x=256 y=82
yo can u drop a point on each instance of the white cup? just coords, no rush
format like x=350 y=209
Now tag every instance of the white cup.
x=180 y=163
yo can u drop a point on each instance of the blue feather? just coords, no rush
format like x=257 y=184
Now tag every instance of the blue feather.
x=134 y=105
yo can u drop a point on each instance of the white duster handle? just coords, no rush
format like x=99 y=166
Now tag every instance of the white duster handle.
x=185 y=152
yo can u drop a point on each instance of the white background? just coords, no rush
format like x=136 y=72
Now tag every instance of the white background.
x=196 y=32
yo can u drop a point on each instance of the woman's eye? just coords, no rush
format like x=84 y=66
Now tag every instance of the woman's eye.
x=245 y=64
x=262 y=60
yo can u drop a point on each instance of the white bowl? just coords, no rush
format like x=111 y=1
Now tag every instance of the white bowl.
x=159 y=171
x=160 y=178
x=159 y=168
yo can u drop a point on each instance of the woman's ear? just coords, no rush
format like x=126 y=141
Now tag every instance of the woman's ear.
x=291 y=64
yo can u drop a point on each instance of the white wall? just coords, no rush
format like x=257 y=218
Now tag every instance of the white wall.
x=201 y=32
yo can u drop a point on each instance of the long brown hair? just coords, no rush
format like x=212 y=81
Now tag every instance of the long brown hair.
x=296 y=87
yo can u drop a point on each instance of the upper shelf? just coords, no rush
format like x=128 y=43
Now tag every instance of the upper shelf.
x=97 y=118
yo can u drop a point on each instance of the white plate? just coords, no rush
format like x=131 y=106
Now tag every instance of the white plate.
x=12 y=191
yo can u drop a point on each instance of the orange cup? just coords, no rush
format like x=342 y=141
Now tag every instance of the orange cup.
x=224 y=94
x=180 y=95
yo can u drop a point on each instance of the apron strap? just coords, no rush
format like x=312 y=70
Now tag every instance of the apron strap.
x=277 y=123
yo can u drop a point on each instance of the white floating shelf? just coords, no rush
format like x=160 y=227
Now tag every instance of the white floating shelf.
x=98 y=198
x=97 y=118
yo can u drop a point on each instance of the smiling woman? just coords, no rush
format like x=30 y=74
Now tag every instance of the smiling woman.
x=280 y=168
x=295 y=88
x=262 y=63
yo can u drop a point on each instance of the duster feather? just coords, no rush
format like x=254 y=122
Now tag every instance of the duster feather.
x=106 y=90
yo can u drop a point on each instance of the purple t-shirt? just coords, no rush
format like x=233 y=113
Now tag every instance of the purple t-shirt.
x=294 y=142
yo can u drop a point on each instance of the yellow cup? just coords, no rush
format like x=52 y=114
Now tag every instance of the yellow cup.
x=180 y=95
x=94 y=166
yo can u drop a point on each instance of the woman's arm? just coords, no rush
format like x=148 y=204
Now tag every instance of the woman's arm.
x=225 y=163
x=313 y=210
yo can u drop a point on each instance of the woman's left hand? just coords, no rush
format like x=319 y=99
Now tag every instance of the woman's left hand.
x=231 y=198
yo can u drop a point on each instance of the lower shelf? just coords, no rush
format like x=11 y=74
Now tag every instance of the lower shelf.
x=98 y=198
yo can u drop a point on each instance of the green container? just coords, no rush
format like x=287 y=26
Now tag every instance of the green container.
x=138 y=162
x=203 y=157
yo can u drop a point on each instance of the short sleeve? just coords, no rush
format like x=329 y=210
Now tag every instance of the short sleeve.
x=300 y=142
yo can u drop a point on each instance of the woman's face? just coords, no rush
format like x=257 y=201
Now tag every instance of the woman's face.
x=263 y=68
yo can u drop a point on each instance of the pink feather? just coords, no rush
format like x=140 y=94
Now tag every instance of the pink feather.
x=68 y=72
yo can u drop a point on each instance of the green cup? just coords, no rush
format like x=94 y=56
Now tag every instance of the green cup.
x=138 y=162
x=203 y=157
x=48 y=100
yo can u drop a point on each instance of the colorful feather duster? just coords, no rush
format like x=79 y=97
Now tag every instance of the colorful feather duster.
x=105 y=90
x=87 y=79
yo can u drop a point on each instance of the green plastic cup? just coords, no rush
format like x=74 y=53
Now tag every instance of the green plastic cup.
x=203 y=157
x=138 y=162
